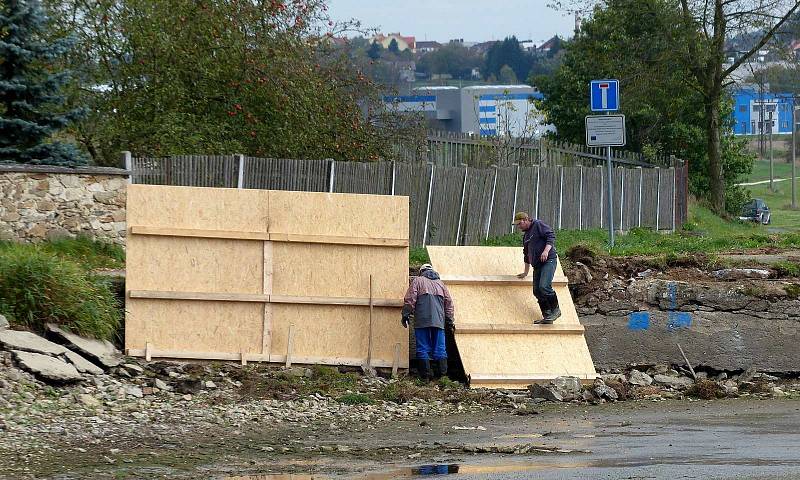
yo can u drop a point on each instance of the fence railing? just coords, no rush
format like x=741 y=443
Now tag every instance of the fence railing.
x=452 y=205
x=455 y=149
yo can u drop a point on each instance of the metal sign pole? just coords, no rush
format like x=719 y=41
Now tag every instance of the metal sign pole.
x=610 y=199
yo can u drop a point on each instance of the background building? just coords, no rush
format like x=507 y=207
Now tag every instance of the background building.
x=754 y=111
x=487 y=110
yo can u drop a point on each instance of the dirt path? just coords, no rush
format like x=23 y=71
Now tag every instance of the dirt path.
x=736 y=438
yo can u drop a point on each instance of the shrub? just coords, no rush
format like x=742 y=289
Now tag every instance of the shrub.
x=37 y=287
x=355 y=399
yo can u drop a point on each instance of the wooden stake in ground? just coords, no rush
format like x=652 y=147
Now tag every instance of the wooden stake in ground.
x=694 y=376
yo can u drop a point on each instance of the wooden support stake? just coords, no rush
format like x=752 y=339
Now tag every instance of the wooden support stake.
x=148 y=351
x=289 y=346
x=687 y=361
x=266 y=329
x=243 y=358
x=369 y=338
x=396 y=362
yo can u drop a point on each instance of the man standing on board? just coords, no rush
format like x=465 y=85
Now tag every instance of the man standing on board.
x=539 y=250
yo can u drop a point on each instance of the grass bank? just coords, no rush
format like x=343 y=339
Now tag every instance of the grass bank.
x=704 y=233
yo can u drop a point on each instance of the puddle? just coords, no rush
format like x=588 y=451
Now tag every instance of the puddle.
x=422 y=471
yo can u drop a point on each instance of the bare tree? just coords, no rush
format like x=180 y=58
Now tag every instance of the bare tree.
x=714 y=21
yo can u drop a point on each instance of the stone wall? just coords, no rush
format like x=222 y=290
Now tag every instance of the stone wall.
x=42 y=202
x=719 y=324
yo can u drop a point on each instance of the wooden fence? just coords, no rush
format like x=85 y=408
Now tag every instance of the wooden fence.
x=455 y=149
x=452 y=205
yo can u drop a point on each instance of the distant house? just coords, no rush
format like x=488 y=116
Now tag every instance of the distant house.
x=483 y=47
x=756 y=112
x=528 y=45
x=427 y=46
x=403 y=43
x=795 y=48
x=549 y=45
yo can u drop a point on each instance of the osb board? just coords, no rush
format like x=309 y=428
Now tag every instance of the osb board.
x=338 y=331
x=325 y=270
x=171 y=262
x=195 y=326
x=346 y=215
x=199 y=208
x=482 y=304
x=556 y=354
x=189 y=264
x=537 y=355
x=479 y=261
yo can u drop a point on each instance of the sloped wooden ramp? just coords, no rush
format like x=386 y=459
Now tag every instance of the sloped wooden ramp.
x=499 y=345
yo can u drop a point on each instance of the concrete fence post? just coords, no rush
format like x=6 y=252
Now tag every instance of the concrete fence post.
x=394 y=175
x=602 y=193
x=658 y=199
x=536 y=207
x=491 y=204
x=461 y=208
x=641 y=181
x=516 y=189
x=428 y=208
x=331 y=174
x=560 y=193
x=127 y=163
x=621 y=198
x=240 y=161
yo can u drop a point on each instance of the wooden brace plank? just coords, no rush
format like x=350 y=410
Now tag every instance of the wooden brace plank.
x=266 y=327
x=261 y=298
x=478 y=378
x=263 y=236
x=364 y=302
x=510 y=328
x=253 y=357
x=496 y=280
x=191 y=232
x=205 y=296
x=289 y=342
x=333 y=239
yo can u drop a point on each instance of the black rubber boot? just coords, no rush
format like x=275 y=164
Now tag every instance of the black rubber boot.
x=442 y=364
x=555 y=312
x=544 y=308
x=424 y=369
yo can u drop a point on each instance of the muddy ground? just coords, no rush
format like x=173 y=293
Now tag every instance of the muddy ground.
x=731 y=438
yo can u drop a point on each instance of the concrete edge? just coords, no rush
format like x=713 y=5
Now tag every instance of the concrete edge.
x=22 y=168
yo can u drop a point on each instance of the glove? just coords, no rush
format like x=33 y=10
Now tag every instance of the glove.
x=450 y=325
x=404 y=321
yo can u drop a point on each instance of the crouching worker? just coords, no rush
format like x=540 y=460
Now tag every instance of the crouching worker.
x=428 y=300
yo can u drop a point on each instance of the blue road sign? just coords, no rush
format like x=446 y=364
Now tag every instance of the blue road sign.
x=604 y=95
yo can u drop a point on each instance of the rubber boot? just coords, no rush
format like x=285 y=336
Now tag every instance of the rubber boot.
x=555 y=312
x=442 y=363
x=545 y=309
x=424 y=369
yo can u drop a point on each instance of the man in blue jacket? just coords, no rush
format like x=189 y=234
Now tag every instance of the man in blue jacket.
x=430 y=302
x=539 y=250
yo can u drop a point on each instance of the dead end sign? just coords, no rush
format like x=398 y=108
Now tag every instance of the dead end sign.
x=605 y=130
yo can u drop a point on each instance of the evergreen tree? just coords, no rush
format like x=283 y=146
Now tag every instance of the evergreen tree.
x=393 y=47
x=30 y=91
x=374 y=50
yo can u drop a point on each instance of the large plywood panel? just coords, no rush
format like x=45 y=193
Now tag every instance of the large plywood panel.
x=507 y=357
x=336 y=214
x=162 y=259
x=189 y=264
x=194 y=326
x=338 y=331
x=200 y=208
x=553 y=354
x=307 y=269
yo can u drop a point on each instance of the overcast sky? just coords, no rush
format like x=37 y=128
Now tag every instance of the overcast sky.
x=472 y=20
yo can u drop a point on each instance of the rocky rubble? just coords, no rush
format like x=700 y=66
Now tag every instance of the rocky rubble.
x=663 y=382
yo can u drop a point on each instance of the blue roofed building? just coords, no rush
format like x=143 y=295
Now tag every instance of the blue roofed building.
x=755 y=111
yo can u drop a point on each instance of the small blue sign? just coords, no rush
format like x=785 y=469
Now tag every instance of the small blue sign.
x=604 y=95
